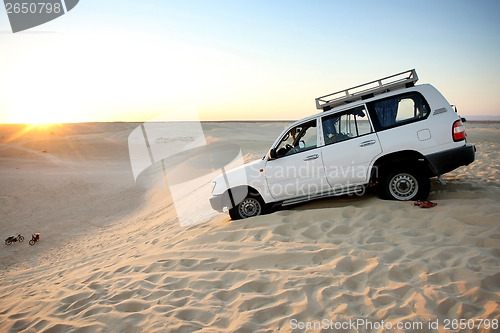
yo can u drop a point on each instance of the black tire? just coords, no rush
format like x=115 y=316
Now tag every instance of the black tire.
x=21 y=238
x=405 y=185
x=32 y=242
x=251 y=206
x=8 y=242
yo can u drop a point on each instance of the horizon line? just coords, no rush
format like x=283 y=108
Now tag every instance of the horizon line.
x=474 y=119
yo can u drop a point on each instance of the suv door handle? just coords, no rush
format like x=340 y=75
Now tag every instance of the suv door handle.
x=367 y=143
x=311 y=157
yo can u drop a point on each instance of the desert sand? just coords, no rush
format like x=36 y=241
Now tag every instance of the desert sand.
x=113 y=257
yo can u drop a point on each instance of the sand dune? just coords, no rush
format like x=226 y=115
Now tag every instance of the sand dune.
x=113 y=257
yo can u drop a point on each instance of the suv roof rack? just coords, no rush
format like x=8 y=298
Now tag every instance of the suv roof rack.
x=367 y=90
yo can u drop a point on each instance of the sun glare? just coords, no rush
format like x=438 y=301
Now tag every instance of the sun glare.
x=38 y=116
x=109 y=87
x=40 y=108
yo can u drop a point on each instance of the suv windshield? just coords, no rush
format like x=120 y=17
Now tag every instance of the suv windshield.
x=299 y=138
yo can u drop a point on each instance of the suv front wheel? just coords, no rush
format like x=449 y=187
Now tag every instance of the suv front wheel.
x=405 y=185
x=251 y=206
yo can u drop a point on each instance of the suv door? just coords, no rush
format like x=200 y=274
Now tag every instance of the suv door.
x=350 y=147
x=297 y=169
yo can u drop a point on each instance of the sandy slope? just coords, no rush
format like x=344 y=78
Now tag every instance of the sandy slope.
x=125 y=265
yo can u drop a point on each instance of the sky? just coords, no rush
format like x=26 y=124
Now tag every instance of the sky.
x=242 y=60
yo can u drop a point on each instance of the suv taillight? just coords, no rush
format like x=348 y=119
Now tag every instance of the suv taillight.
x=458 y=131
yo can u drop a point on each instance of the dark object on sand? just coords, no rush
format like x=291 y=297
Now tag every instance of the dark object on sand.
x=13 y=239
x=34 y=238
x=425 y=204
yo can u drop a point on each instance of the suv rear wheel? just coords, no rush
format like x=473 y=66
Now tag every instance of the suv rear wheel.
x=251 y=206
x=404 y=185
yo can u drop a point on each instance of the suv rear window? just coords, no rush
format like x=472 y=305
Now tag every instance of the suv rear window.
x=398 y=110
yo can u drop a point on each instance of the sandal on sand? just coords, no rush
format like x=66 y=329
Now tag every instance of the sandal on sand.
x=425 y=204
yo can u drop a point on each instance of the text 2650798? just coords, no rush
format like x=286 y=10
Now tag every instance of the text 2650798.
x=462 y=324
x=33 y=8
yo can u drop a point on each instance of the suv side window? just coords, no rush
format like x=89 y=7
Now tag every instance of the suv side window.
x=398 y=110
x=298 y=139
x=346 y=125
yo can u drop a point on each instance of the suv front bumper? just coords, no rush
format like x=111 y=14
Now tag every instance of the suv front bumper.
x=218 y=202
x=449 y=160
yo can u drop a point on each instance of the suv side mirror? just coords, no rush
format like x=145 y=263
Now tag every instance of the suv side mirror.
x=272 y=154
x=463 y=119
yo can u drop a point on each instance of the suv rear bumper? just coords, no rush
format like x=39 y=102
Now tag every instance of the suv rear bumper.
x=449 y=160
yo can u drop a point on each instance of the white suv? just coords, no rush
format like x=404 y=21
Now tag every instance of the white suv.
x=388 y=132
